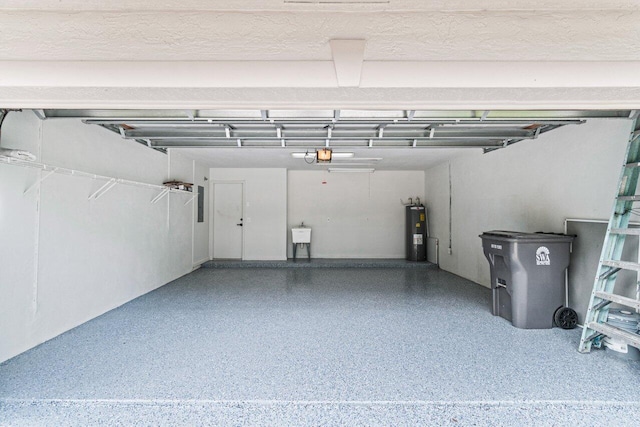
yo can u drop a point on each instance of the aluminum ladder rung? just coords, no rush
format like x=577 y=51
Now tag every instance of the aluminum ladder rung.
x=608 y=330
x=634 y=198
x=618 y=299
x=625 y=265
x=626 y=231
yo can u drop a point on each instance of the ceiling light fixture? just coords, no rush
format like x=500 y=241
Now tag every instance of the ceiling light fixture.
x=351 y=170
x=342 y=155
x=359 y=159
x=352 y=164
x=334 y=155
x=302 y=155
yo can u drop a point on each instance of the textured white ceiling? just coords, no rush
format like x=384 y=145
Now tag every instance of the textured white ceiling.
x=293 y=5
x=211 y=35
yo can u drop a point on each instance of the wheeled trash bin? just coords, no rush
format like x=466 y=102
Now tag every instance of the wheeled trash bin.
x=527 y=275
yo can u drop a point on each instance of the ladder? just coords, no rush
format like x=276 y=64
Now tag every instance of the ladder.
x=595 y=322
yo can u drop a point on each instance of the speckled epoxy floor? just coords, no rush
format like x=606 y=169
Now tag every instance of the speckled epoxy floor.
x=314 y=346
x=321 y=263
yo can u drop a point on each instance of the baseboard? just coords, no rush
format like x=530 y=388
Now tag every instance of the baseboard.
x=199 y=263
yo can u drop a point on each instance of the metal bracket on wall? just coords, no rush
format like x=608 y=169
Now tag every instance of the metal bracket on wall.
x=103 y=190
x=39 y=181
x=160 y=196
x=191 y=199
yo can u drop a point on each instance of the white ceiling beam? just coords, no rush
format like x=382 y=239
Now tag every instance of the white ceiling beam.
x=286 y=98
x=496 y=74
x=318 y=74
x=167 y=74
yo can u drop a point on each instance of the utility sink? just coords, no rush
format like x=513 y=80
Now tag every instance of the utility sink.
x=301 y=235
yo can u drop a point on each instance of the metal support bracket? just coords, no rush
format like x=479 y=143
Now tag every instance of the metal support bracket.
x=42 y=178
x=160 y=196
x=40 y=114
x=593 y=336
x=104 y=189
x=537 y=132
x=279 y=135
x=609 y=273
x=601 y=305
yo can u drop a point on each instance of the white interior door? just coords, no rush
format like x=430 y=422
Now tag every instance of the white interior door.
x=227 y=221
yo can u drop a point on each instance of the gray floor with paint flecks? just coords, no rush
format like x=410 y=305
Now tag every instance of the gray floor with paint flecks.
x=321 y=346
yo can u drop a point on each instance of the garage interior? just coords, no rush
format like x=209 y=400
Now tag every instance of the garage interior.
x=129 y=301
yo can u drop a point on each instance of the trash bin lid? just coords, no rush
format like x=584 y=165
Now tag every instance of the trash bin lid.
x=526 y=237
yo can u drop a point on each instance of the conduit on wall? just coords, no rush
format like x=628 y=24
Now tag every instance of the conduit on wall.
x=450 y=249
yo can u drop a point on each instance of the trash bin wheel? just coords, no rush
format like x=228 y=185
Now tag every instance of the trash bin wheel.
x=565 y=318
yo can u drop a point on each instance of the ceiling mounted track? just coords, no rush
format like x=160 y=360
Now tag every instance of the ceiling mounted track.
x=490 y=130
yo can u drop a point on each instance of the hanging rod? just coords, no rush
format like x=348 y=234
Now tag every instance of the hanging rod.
x=111 y=181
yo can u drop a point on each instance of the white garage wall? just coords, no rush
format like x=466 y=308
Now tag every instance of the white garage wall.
x=531 y=186
x=18 y=234
x=352 y=215
x=74 y=259
x=265 y=210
